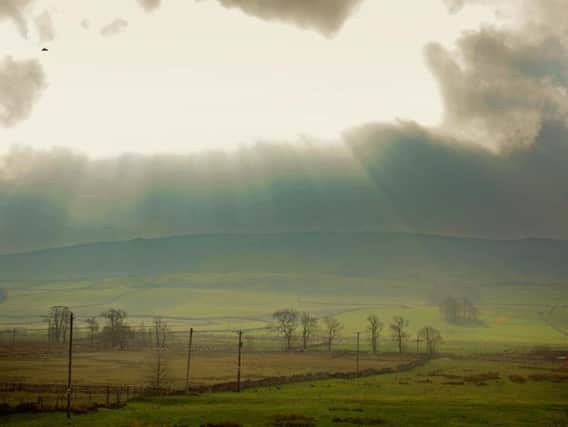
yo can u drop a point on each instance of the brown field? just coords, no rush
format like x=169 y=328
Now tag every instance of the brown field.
x=134 y=367
x=113 y=377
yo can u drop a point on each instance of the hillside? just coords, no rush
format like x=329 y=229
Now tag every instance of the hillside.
x=381 y=255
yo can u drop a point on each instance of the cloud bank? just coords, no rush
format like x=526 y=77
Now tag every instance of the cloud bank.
x=383 y=177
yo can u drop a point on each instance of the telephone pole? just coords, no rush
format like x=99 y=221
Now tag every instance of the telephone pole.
x=357 y=353
x=70 y=365
x=239 y=362
x=188 y=360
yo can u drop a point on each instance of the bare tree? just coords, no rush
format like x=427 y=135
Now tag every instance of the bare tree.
x=159 y=367
x=375 y=329
x=285 y=324
x=160 y=332
x=333 y=328
x=398 y=331
x=309 y=326
x=116 y=330
x=58 y=321
x=431 y=337
x=93 y=327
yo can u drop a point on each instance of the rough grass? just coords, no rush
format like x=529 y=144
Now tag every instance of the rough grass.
x=359 y=402
x=133 y=368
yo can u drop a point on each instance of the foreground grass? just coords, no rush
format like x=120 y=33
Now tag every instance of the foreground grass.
x=423 y=397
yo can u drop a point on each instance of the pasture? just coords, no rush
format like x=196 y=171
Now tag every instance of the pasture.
x=513 y=391
x=513 y=321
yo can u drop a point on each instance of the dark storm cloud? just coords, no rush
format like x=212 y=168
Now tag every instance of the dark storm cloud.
x=325 y=16
x=21 y=84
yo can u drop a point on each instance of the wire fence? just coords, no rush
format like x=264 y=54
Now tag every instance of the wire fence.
x=33 y=371
x=150 y=361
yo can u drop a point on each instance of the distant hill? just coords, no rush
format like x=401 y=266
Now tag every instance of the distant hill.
x=383 y=255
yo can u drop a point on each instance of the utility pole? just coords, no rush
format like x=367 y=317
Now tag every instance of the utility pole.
x=69 y=366
x=188 y=360
x=239 y=362
x=357 y=353
x=49 y=335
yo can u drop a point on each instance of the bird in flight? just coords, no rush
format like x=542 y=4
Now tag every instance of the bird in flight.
x=45 y=49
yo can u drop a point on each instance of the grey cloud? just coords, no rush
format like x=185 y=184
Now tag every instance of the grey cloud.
x=499 y=6
x=150 y=5
x=21 y=84
x=325 y=16
x=504 y=85
x=454 y=6
x=115 y=27
x=45 y=27
x=13 y=10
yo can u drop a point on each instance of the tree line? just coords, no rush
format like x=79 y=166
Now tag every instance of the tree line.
x=458 y=310
x=114 y=333
x=292 y=324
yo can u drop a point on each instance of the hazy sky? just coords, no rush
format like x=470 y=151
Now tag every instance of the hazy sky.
x=277 y=115
x=194 y=75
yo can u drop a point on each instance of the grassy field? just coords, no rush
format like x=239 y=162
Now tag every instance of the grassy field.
x=510 y=316
x=511 y=319
x=445 y=392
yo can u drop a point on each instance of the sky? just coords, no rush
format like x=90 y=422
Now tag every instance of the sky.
x=192 y=76
x=148 y=118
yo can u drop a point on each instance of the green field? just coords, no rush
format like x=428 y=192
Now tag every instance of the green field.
x=513 y=321
x=510 y=317
x=444 y=392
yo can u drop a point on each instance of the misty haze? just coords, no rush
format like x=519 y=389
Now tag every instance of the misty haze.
x=286 y=213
